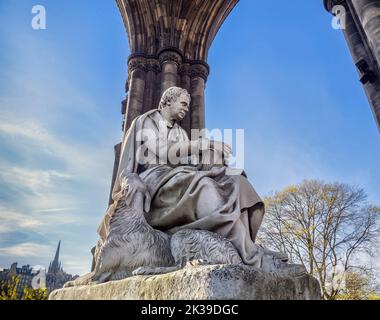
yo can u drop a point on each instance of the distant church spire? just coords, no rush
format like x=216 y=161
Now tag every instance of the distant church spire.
x=55 y=265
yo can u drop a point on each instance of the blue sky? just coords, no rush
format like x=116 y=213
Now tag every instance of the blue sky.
x=278 y=70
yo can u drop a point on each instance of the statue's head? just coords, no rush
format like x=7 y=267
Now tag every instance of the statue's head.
x=177 y=101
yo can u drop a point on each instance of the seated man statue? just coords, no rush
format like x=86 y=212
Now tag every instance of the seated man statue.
x=187 y=194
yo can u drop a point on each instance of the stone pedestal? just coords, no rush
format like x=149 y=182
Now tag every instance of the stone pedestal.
x=220 y=282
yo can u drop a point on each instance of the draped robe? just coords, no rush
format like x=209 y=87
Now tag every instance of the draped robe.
x=184 y=197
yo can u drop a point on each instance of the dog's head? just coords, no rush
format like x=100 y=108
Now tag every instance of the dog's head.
x=131 y=185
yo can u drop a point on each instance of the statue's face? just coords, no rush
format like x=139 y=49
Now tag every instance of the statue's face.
x=179 y=107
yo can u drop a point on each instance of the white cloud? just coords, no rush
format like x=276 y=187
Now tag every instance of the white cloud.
x=13 y=220
x=27 y=250
x=79 y=157
x=56 y=210
x=33 y=180
x=51 y=190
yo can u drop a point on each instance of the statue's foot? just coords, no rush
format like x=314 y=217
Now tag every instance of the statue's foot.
x=272 y=264
x=276 y=255
x=292 y=269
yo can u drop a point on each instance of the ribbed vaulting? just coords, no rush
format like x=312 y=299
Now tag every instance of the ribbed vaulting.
x=186 y=25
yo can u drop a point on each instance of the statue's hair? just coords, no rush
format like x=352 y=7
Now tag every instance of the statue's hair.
x=171 y=94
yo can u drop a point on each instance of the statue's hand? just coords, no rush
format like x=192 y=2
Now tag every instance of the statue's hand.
x=223 y=148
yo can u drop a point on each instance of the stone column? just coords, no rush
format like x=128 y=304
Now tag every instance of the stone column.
x=153 y=73
x=136 y=84
x=198 y=74
x=185 y=83
x=359 y=28
x=364 y=61
x=368 y=12
x=170 y=62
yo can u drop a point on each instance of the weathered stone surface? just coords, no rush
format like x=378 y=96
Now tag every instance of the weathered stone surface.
x=221 y=282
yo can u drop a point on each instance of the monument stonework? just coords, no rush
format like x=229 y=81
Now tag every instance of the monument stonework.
x=180 y=223
x=360 y=23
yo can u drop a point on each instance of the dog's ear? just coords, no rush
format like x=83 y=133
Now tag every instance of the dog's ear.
x=147 y=201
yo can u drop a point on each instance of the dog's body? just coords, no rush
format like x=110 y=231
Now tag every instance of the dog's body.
x=131 y=242
x=205 y=247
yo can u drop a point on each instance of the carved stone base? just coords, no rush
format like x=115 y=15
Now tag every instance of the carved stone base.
x=220 y=282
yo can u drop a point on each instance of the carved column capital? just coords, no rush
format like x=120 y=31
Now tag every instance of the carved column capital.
x=137 y=63
x=153 y=65
x=170 y=56
x=199 y=70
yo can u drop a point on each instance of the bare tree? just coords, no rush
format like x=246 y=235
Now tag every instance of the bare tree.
x=324 y=226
